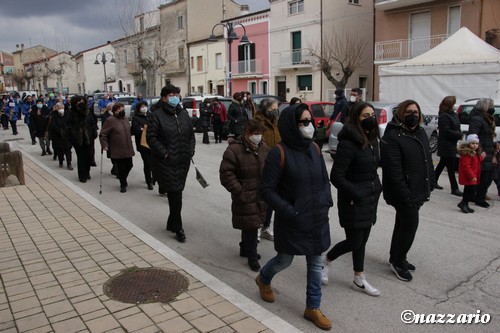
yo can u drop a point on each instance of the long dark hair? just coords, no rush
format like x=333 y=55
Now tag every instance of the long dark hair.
x=447 y=104
x=354 y=114
x=400 y=111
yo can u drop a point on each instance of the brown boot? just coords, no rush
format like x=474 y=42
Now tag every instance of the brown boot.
x=266 y=292
x=318 y=318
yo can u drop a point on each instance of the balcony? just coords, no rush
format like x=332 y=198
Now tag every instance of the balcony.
x=175 y=67
x=402 y=49
x=394 y=4
x=247 y=69
x=293 y=59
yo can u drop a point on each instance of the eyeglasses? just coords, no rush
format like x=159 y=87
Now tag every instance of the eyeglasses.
x=305 y=122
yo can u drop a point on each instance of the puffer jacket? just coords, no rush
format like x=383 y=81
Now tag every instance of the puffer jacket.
x=117 y=138
x=481 y=124
x=240 y=173
x=469 y=166
x=271 y=135
x=170 y=137
x=449 y=134
x=407 y=168
x=58 y=132
x=237 y=118
x=299 y=193
x=354 y=174
x=205 y=115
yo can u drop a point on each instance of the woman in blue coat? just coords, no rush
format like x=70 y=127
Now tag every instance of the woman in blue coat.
x=295 y=184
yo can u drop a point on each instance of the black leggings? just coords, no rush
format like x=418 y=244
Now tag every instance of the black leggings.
x=355 y=242
x=123 y=167
x=404 y=232
x=451 y=165
x=249 y=243
x=174 y=222
x=469 y=193
x=484 y=183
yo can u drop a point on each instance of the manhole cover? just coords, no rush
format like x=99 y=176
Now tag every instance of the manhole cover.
x=145 y=285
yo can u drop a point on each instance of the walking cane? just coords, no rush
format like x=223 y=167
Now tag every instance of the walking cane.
x=100 y=176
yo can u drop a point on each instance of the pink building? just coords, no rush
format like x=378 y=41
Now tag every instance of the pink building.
x=250 y=61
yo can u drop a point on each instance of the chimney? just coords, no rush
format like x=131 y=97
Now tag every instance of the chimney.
x=17 y=47
x=22 y=46
x=244 y=9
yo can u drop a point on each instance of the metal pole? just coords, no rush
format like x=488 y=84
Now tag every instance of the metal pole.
x=230 y=84
x=104 y=65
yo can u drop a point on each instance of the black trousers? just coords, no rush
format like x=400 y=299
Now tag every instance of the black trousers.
x=205 y=135
x=484 y=184
x=218 y=126
x=123 y=167
x=62 y=152
x=146 y=161
x=355 y=242
x=13 y=124
x=174 y=222
x=469 y=193
x=450 y=164
x=83 y=160
x=249 y=243
x=404 y=232
x=269 y=214
x=5 y=121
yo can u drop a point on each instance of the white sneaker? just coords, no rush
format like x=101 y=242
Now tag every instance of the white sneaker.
x=362 y=285
x=267 y=233
x=325 y=271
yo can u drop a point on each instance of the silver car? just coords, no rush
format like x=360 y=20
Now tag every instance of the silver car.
x=384 y=113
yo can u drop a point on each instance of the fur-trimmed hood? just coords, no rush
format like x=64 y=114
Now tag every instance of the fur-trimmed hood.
x=464 y=149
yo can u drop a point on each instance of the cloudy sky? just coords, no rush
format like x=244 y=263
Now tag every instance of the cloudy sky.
x=73 y=25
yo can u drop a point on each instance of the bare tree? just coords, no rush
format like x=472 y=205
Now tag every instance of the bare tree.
x=340 y=54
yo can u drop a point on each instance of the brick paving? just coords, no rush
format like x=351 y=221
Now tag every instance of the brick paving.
x=58 y=249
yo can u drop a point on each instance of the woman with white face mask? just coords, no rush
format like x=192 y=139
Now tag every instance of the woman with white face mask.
x=139 y=124
x=240 y=173
x=58 y=134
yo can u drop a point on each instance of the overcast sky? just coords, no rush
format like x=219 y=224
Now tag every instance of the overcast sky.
x=73 y=25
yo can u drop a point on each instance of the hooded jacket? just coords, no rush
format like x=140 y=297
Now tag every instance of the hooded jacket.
x=469 y=166
x=354 y=174
x=240 y=173
x=170 y=137
x=408 y=172
x=481 y=124
x=300 y=192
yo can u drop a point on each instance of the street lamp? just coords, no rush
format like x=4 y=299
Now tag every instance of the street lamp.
x=231 y=35
x=104 y=61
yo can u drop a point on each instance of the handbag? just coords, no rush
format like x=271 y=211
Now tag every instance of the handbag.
x=199 y=176
x=144 y=142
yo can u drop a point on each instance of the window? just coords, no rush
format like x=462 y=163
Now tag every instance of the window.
x=125 y=56
x=192 y=62
x=200 y=89
x=252 y=87
x=78 y=67
x=199 y=63
x=453 y=19
x=180 y=22
x=362 y=82
x=304 y=82
x=263 y=87
x=354 y=2
x=296 y=47
x=141 y=23
x=129 y=87
x=295 y=7
x=218 y=61
x=246 y=58
x=181 y=55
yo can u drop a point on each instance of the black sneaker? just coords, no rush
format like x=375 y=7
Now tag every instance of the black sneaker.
x=438 y=187
x=411 y=267
x=254 y=265
x=180 y=236
x=483 y=204
x=402 y=272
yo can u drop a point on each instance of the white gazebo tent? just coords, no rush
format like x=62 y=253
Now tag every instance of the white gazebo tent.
x=463 y=65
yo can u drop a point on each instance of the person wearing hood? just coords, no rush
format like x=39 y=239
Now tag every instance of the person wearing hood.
x=355 y=176
x=482 y=123
x=340 y=103
x=170 y=137
x=139 y=124
x=354 y=97
x=240 y=173
x=295 y=184
x=237 y=115
x=469 y=173
x=408 y=179
x=60 y=141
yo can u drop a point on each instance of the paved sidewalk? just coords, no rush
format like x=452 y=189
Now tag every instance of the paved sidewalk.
x=59 y=245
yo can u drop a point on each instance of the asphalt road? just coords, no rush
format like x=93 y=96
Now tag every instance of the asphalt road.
x=456 y=255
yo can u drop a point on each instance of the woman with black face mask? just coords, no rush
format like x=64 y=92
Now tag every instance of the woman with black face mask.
x=408 y=178
x=354 y=174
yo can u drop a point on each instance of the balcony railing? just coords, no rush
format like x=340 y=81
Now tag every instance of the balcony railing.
x=402 y=49
x=394 y=4
x=293 y=59
x=176 y=66
x=247 y=67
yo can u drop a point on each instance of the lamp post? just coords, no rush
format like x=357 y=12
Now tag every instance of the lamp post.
x=103 y=56
x=231 y=35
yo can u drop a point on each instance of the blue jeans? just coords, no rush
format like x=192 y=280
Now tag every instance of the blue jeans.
x=314 y=266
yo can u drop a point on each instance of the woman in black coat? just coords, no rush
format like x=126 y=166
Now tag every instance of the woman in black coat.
x=139 y=124
x=39 y=118
x=449 y=134
x=237 y=115
x=295 y=184
x=170 y=137
x=205 y=118
x=482 y=123
x=354 y=174
x=408 y=177
x=60 y=140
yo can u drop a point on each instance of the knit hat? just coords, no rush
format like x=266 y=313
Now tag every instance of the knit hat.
x=472 y=138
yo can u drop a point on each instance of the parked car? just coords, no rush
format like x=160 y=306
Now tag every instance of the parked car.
x=320 y=110
x=384 y=112
x=465 y=108
x=257 y=98
x=127 y=101
x=97 y=97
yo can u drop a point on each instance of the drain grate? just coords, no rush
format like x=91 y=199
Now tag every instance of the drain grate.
x=145 y=285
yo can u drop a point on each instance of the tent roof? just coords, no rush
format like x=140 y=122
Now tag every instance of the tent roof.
x=463 y=47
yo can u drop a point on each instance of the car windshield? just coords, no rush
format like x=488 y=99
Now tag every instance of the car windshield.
x=464 y=115
x=322 y=110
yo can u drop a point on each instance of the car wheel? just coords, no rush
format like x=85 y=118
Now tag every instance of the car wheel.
x=433 y=142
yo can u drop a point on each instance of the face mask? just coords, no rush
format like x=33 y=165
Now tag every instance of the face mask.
x=368 y=124
x=244 y=99
x=208 y=105
x=61 y=112
x=307 y=131
x=255 y=139
x=144 y=110
x=174 y=100
x=353 y=99
x=273 y=114
x=121 y=114
x=491 y=111
x=39 y=106
x=81 y=106
x=411 y=120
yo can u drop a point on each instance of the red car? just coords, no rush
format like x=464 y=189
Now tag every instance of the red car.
x=320 y=110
